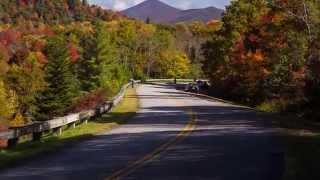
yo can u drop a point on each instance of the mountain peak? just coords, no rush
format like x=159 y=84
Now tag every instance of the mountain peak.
x=160 y=12
x=153 y=1
x=155 y=10
x=155 y=4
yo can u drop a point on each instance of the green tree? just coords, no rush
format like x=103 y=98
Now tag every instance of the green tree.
x=88 y=68
x=148 y=21
x=62 y=84
x=84 y=2
x=113 y=71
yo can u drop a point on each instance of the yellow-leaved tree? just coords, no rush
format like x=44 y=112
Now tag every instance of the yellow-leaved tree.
x=175 y=64
x=8 y=103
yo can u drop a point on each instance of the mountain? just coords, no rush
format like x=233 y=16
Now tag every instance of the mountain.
x=156 y=10
x=160 y=12
x=205 y=15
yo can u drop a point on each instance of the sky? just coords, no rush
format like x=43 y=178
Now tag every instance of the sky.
x=181 y=4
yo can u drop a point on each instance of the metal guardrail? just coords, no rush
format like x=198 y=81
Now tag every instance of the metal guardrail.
x=37 y=128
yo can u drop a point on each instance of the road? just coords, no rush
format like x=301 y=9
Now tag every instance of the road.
x=173 y=136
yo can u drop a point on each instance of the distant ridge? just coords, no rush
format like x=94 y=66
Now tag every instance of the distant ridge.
x=160 y=12
x=205 y=15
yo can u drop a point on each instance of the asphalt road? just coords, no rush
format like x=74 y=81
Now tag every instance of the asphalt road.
x=174 y=136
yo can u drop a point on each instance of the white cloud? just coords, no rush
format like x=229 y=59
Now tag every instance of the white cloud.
x=116 y=4
x=119 y=5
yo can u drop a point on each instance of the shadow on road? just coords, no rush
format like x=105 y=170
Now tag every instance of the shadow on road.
x=228 y=143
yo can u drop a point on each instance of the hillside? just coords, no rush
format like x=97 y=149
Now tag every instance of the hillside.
x=160 y=12
x=205 y=15
x=52 y=12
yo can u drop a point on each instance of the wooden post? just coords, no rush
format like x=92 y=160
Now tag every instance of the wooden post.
x=58 y=131
x=98 y=114
x=13 y=142
x=36 y=136
x=73 y=125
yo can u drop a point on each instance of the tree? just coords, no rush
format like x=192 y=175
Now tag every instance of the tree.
x=175 y=64
x=148 y=21
x=267 y=51
x=113 y=72
x=26 y=83
x=62 y=85
x=88 y=68
x=8 y=103
x=84 y=2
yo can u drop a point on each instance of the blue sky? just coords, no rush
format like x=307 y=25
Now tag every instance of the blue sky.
x=182 y=4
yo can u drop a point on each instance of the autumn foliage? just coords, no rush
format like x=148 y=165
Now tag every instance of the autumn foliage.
x=89 y=101
x=58 y=57
x=26 y=27
x=267 y=51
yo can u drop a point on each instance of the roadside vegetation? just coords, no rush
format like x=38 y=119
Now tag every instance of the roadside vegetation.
x=266 y=54
x=60 y=57
x=121 y=114
x=302 y=156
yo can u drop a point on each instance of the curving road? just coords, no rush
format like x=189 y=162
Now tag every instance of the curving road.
x=174 y=136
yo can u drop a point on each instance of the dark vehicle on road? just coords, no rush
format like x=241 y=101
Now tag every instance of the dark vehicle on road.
x=203 y=85
x=192 y=87
x=197 y=86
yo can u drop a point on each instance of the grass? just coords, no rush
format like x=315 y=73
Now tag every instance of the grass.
x=301 y=138
x=119 y=115
x=272 y=107
x=302 y=157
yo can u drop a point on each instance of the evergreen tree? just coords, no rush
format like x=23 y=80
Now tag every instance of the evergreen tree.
x=84 y=2
x=62 y=84
x=148 y=21
x=113 y=72
x=88 y=68
x=73 y=3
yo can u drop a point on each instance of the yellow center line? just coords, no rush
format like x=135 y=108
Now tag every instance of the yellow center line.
x=131 y=167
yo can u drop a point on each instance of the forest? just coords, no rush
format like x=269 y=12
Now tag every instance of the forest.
x=267 y=54
x=64 y=56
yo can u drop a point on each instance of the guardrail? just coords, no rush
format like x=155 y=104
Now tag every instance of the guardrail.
x=36 y=129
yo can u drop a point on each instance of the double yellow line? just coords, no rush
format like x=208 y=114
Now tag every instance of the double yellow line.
x=156 y=153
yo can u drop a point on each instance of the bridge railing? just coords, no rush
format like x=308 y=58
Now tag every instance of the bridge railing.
x=36 y=129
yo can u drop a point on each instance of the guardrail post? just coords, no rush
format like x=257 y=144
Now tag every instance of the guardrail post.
x=36 y=136
x=73 y=125
x=58 y=131
x=98 y=111
x=12 y=142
